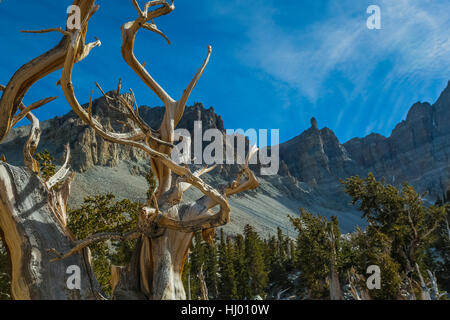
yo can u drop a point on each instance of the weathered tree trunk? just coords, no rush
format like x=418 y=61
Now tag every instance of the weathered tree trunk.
x=335 y=286
x=168 y=256
x=30 y=229
x=203 y=286
x=33 y=212
x=424 y=290
x=434 y=286
x=33 y=216
x=166 y=225
x=357 y=286
x=126 y=281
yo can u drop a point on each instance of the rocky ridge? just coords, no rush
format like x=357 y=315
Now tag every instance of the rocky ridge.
x=311 y=164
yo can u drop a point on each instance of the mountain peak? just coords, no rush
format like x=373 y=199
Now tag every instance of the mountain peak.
x=314 y=123
x=442 y=110
x=419 y=111
x=444 y=98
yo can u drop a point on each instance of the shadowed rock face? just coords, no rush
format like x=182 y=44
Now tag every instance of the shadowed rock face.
x=311 y=164
x=317 y=157
x=210 y=120
x=418 y=150
x=89 y=149
x=442 y=112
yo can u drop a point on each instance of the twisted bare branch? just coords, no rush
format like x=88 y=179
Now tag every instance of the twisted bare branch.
x=63 y=32
x=129 y=139
x=187 y=92
x=92 y=239
x=129 y=31
x=165 y=211
x=32 y=142
x=62 y=173
x=39 y=68
x=30 y=108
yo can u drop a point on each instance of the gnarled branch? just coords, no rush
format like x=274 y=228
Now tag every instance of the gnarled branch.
x=92 y=239
x=129 y=31
x=187 y=92
x=39 y=68
x=32 y=142
x=62 y=173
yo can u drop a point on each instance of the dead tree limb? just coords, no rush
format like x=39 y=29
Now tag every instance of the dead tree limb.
x=33 y=211
x=166 y=227
x=39 y=68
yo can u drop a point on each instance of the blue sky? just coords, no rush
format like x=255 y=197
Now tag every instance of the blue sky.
x=275 y=63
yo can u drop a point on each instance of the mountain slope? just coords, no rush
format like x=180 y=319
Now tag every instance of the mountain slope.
x=418 y=150
x=311 y=164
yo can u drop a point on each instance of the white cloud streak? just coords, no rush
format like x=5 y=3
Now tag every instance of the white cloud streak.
x=414 y=36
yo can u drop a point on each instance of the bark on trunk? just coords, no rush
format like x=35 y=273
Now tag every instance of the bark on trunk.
x=156 y=270
x=335 y=286
x=165 y=225
x=30 y=229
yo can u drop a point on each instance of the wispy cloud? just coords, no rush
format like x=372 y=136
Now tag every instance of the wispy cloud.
x=370 y=127
x=414 y=36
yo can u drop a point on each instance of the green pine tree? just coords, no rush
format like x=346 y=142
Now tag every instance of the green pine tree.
x=257 y=273
x=47 y=167
x=197 y=259
x=241 y=268
x=227 y=280
x=103 y=214
x=441 y=247
x=313 y=254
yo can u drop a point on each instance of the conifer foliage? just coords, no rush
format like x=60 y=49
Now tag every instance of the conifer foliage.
x=403 y=236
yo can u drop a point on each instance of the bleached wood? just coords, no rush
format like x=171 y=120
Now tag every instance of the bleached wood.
x=30 y=108
x=30 y=228
x=37 y=69
x=424 y=290
x=435 y=295
x=33 y=213
x=62 y=173
x=203 y=287
x=335 y=287
x=357 y=286
x=31 y=144
x=167 y=227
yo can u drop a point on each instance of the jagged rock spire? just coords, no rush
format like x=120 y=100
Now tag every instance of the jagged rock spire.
x=314 y=123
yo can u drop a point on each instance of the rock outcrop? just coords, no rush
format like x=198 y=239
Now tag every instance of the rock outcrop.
x=418 y=150
x=88 y=149
x=311 y=164
x=317 y=157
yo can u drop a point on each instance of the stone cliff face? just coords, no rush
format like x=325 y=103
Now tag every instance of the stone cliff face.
x=311 y=164
x=418 y=150
x=153 y=116
x=317 y=157
x=442 y=111
x=88 y=149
